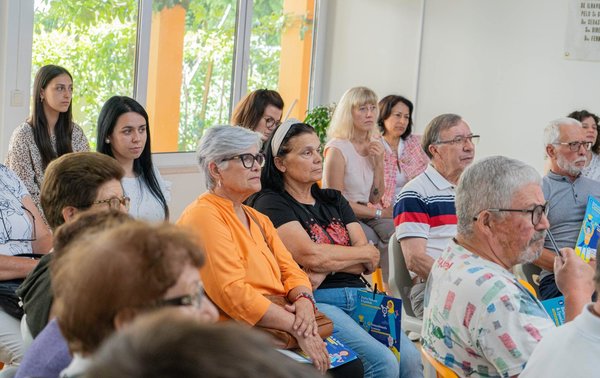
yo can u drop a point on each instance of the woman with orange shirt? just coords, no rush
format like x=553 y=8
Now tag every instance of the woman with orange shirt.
x=245 y=259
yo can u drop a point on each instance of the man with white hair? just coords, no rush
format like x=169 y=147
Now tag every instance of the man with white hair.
x=566 y=191
x=478 y=319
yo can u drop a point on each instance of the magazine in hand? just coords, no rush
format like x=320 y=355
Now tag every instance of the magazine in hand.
x=339 y=354
x=590 y=231
x=555 y=307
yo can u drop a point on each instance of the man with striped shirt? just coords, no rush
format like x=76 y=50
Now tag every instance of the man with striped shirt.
x=424 y=213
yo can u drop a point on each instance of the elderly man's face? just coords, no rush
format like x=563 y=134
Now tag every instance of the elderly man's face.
x=519 y=239
x=452 y=158
x=565 y=161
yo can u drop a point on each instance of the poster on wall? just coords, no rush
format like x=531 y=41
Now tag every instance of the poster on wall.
x=583 y=30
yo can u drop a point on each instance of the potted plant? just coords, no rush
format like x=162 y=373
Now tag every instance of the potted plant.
x=319 y=118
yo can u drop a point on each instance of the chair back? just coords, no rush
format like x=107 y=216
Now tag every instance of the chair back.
x=441 y=370
x=399 y=281
x=532 y=275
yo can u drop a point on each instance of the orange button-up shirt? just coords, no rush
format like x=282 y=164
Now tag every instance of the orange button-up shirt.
x=241 y=267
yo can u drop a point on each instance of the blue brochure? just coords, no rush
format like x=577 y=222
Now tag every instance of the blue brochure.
x=555 y=307
x=379 y=314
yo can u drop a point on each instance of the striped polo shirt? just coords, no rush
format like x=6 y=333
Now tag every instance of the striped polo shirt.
x=425 y=209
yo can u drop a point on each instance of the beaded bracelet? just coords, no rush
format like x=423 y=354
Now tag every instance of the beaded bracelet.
x=309 y=297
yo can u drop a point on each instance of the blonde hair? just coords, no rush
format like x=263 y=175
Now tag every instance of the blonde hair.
x=342 y=122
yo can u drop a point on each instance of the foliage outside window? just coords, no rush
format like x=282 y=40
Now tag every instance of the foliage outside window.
x=96 y=42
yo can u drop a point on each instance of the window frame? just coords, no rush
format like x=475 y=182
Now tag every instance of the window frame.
x=15 y=68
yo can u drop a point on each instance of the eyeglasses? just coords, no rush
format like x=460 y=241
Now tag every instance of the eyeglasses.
x=7 y=230
x=270 y=122
x=367 y=108
x=536 y=212
x=249 y=159
x=115 y=203
x=575 y=146
x=194 y=299
x=461 y=140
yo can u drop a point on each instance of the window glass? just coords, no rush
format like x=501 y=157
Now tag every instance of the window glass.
x=190 y=67
x=280 y=50
x=95 y=41
x=190 y=70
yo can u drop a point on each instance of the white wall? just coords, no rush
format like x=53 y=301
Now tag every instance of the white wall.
x=15 y=65
x=373 y=43
x=500 y=65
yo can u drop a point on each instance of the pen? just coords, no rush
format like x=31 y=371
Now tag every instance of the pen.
x=554 y=245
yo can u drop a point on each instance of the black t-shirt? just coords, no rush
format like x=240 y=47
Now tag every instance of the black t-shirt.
x=324 y=222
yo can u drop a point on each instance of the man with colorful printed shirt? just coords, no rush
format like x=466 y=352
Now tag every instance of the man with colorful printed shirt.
x=424 y=213
x=478 y=319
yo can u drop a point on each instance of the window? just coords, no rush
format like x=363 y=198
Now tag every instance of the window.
x=190 y=76
x=95 y=41
x=281 y=51
x=190 y=71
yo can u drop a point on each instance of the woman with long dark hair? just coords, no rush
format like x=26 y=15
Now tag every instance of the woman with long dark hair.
x=124 y=133
x=48 y=133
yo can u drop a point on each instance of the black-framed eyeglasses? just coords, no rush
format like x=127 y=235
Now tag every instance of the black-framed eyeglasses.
x=7 y=230
x=575 y=146
x=115 y=202
x=461 y=140
x=536 y=212
x=194 y=299
x=249 y=159
x=271 y=122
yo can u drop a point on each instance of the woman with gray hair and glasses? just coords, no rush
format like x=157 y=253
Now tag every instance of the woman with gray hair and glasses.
x=245 y=258
x=22 y=233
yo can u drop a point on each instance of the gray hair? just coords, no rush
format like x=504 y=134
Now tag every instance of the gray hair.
x=435 y=127
x=221 y=142
x=490 y=183
x=552 y=131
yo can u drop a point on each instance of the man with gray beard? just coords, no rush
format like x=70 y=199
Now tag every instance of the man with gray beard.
x=566 y=191
x=479 y=320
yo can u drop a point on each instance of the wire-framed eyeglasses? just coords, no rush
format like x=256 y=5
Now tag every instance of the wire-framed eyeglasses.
x=193 y=299
x=271 y=122
x=575 y=146
x=536 y=212
x=461 y=140
x=8 y=229
x=249 y=159
x=114 y=203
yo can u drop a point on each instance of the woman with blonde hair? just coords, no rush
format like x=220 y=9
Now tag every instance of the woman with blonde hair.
x=354 y=165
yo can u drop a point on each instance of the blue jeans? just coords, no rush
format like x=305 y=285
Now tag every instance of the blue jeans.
x=377 y=359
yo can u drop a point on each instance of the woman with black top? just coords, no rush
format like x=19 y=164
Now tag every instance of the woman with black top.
x=321 y=231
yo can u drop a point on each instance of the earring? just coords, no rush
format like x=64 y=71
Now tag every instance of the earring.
x=41 y=99
x=107 y=141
